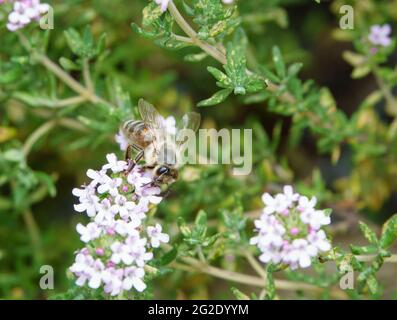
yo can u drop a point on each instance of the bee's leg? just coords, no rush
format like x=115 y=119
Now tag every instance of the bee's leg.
x=158 y=179
x=133 y=162
x=128 y=153
x=166 y=193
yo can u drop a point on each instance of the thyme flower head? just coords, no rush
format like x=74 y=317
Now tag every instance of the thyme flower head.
x=290 y=229
x=25 y=12
x=118 y=242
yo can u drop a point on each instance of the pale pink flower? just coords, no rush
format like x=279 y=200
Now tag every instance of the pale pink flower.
x=89 y=232
x=277 y=204
x=163 y=4
x=114 y=164
x=133 y=278
x=156 y=236
x=380 y=35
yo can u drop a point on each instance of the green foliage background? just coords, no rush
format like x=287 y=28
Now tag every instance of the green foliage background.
x=335 y=139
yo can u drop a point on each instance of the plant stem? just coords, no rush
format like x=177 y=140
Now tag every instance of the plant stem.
x=255 y=265
x=386 y=91
x=183 y=39
x=68 y=101
x=184 y=25
x=391 y=101
x=86 y=93
x=34 y=235
x=364 y=258
x=262 y=294
x=36 y=135
x=67 y=79
x=72 y=124
x=193 y=265
x=87 y=76
x=201 y=254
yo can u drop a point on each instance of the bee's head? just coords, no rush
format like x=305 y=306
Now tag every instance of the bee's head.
x=165 y=174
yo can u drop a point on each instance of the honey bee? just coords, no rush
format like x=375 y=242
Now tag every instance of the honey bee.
x=149 y=137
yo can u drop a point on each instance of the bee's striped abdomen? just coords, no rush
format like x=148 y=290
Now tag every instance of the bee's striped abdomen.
x=137 y=132
x=133 y=126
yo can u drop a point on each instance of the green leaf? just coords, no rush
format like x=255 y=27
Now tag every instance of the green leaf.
x=361 y=71
x=214 y=20
x=14 y=155
x=201 y=223
x=236 y=66
x=389 y=232
x=353 y=58
x=33 y=100
x=101 y=45
x=369 y=234
x=209 y=241
x=373 y=284
x=10 y=76
x=220 y=76
x=68 y=64
x=185 y=230
x=48 y=181
x=239 y=295
x=279 y=62
x=363 y=250
x=294 y=69
x=74 y=41
x=268 y=74
x=159 y=26
x=217 y=98
x=168 y=257
x=88 y=39
x=196 y=57
x=189 y=10
x=237 y=78
x=83 y=45
x=144 y=33
x=255 y=84
x=151 y=14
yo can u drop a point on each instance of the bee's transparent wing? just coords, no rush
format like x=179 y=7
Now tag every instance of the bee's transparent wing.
x=152 y=119
x=190 y=121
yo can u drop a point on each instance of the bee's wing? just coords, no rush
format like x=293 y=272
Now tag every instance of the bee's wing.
x=190 y=121
x=152 y=119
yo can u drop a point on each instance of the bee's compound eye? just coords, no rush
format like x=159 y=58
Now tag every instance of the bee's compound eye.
x=162 y=170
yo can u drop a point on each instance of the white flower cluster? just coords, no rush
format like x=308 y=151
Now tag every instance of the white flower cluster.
x=118 y=243
x=25 y=12
x=289 y=230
